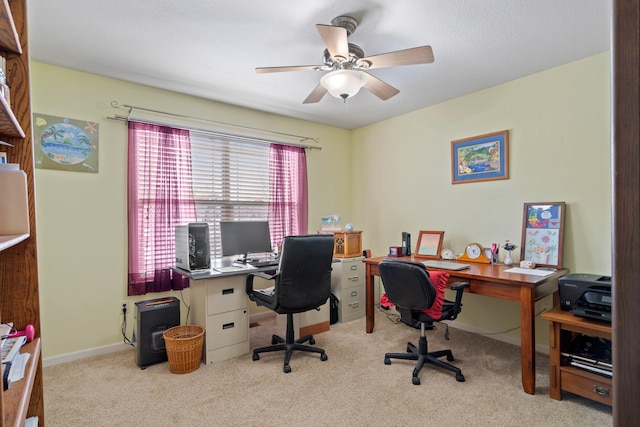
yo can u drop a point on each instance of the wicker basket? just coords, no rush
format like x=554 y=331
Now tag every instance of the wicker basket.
x=184 y=347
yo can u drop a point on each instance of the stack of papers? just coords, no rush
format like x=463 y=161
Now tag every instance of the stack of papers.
x=234 y=267
x=532 y=271
x=11 y=347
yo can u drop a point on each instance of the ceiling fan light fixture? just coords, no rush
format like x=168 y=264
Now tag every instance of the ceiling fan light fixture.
x=343 y=83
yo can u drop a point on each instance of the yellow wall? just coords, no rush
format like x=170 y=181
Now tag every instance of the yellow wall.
x=386 y=178
x=82 y=217
x=559 y=150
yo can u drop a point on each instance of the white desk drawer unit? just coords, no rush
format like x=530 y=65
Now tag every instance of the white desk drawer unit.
x=221 y=305
x=348 y=284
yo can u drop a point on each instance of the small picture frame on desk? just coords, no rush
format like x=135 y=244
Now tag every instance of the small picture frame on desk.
x=429 y=244
x=543 y=233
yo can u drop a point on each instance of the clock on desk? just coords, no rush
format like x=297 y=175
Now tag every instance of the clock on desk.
x=474 y=253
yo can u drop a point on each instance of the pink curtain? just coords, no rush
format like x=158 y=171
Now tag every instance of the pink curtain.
x=160 y=197
x=288 y=205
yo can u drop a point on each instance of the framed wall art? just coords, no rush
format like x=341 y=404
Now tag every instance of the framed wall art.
x=480 y=158
x=429 y=244
x=65 y=144
x=543 y=233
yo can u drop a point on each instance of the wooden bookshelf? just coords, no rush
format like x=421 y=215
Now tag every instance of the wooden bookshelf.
x=16 y=398
x=19 y=292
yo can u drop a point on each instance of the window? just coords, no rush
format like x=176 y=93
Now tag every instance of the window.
x=230 y=182
x=178 y=176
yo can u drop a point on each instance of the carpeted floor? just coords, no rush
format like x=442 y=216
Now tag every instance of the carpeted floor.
x=354 y=387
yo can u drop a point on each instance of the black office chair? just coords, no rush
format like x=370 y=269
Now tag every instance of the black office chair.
x=408 y=286
x=302 y=283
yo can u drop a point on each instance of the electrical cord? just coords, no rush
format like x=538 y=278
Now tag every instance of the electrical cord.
x=124 y=327
x=187 y=306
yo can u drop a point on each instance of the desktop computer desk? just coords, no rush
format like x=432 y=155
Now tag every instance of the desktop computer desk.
x=219 y=303
x=491 y=280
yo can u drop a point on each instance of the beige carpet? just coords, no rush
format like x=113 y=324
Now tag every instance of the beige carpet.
x=354 y=387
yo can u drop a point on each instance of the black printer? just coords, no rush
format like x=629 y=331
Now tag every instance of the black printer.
x=586 y=295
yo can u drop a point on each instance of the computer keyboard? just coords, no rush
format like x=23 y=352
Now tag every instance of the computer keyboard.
x=445 y=265
x=265 y=263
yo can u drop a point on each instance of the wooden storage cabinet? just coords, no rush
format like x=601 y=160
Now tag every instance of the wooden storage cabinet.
x=348 y=284
x=19 y=293
x=562 y=327
x=347 y=244
x=220 y=306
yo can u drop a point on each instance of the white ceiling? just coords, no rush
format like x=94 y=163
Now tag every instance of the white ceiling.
x=210 y=48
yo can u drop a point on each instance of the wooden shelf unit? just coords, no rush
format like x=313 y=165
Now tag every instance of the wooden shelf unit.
x=563 y=326
x=19 y=293
x=16 y=398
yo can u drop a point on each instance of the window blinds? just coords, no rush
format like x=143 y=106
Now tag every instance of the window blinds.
x=230 y=181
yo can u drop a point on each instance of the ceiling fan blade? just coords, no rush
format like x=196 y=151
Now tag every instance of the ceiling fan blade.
x=260 y=70
x=315 y=95
x=379 y=88
x=416 y=55
x=335 y=39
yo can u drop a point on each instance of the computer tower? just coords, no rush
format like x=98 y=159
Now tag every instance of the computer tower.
x=153 y=317
x=192 y=246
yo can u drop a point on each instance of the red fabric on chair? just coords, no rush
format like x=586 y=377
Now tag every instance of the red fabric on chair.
x=439 y=280
x=384 y=302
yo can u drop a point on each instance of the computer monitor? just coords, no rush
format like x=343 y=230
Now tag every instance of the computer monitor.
x=244 y=237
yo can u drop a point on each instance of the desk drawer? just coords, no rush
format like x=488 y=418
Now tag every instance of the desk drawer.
x=585 y=384
x=226 y=329
x=226 y=294
x=352 y=304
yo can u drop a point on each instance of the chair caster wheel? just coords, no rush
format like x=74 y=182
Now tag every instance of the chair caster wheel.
x=324 y=357
x=286 y=369
x=450 y=358
x=312 y=341
x=387 y=361
x=415 y=380
x=460 y=378
x=256 y=356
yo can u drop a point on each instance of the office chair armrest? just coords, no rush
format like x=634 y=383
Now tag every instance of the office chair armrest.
x=250 y=276
x=459 y=287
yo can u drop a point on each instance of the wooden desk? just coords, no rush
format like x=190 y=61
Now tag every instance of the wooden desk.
x=491 y=280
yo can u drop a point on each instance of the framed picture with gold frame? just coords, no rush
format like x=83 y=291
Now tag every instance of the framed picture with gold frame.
x=543 y=233
x=429 y=244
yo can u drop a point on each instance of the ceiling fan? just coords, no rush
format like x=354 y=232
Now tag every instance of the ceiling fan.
x=348 y=66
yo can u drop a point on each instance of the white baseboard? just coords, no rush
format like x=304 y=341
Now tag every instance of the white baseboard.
x=97 y=351
x=83 y=354
x=544 y=349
